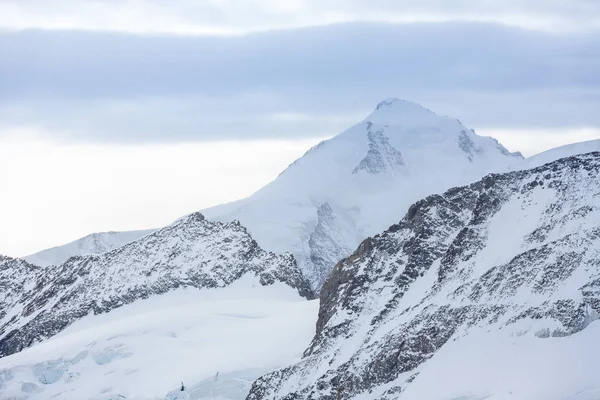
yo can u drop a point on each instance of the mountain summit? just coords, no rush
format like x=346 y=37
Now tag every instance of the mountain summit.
x=397 y=111
x=352 y=185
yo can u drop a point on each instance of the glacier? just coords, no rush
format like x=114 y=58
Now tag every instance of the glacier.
x=145 y=349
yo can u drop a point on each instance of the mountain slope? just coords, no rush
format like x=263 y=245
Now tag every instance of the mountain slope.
x=192 y=252
x=328 y=201
x=352 y=185
x=93 y=244
x=510 y=260
x=559 y=152
x=217 y=341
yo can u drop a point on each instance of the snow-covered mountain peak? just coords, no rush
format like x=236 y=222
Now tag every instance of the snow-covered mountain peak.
x=395 y=111
x=400 y=106
x=393 y=101
x=398 y=154
x=402 y=126
x=409 y=126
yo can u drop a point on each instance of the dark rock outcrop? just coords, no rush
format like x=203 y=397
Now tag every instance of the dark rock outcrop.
x=510 y=248
x=36 y=303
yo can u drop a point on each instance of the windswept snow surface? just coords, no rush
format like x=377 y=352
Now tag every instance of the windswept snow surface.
x=93 y=244
x=146 y=349
x=497 y=365
x=559 y=152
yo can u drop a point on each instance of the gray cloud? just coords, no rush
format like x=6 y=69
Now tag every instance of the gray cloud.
x=297 y=82
x=251 y=15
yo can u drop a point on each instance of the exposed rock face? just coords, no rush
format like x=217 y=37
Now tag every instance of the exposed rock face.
x=329 y=240
x=507 y=251
x=37 y=303
x=381 y=157
x=16 y=277
x=468 y=146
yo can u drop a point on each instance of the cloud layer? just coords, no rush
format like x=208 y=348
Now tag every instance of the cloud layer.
x=292 y=83
x=98 y=92
x=242 y=16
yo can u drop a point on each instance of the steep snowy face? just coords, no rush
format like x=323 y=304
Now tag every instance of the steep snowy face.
x=94 y=244
x=192 y=252
x=365 y=176
x=476 y=288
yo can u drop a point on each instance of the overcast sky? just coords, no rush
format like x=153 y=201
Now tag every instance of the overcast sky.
x=127 y=114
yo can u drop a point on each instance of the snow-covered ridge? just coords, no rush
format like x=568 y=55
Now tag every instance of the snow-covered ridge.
x=401 y=152
x=559 y=152
x=93 y=244
x=491 y=288
x=192 y=252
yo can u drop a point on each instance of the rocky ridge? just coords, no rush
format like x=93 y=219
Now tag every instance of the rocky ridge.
x=37 y=302
x=517 y=252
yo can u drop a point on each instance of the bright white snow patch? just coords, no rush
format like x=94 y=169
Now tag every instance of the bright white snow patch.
x=559 y=152
x=145 y=349
x=497 y=366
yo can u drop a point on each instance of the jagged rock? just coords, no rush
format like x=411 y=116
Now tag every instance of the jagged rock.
x=37 y=303
x=508 y=249
x=381 y=157
x=328 y=241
